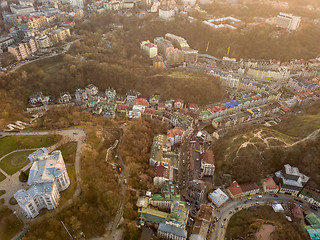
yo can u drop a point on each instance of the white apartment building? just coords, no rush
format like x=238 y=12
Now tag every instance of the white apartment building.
x=149 y=48
x=48 y=176
x=288 y=21
x=207 y=163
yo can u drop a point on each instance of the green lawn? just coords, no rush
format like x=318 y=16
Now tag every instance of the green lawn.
x=15 y=161
x=10 y=143
x=68 y=152
x=9 y=223
x=2 y=177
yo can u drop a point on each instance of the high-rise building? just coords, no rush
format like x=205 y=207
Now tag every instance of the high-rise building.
x=288 y=21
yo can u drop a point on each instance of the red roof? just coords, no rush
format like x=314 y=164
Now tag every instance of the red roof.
x=192 y=106
x=174 y=132
x=222 y=107
x=235 y=188
x=122 y=106
x=141 y=101
x=162 y=171
x=246 y=187
x=179 y=100
x=270 y=184
x=184 y=111
x=161 y=105
x=208 y=156
x=150 y=110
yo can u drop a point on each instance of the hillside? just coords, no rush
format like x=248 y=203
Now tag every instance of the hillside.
x=253 y=154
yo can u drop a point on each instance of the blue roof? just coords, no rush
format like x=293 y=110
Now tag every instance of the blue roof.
x=314 y=233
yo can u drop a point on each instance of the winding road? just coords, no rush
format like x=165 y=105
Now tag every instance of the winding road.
x=223 y=214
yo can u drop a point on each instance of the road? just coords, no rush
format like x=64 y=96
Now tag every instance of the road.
x=225 y=213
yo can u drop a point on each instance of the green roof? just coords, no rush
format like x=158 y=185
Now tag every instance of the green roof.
x=218 y=119
x=167 y=197
x=313 y=219
x=311 y=194
x=152 y=215
x=205 y=113
x=158 y=112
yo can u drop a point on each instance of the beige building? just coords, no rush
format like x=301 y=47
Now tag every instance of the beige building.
x=24 y=49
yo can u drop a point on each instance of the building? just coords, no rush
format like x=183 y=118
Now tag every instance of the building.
x=47 y=177
x=269 y=185
x=207 y=163
x=158 y=62
x=24 y=49
x=175 y=135
x=172 y=232
x=181 y=120
x=21 y=9
x=5 y=42
x=149 y=48
x=111 y=94
x=131 y=96
x=290 y=180
x=91 y=90
x=218 y=197
x=164 y=201
x=288 y=21
x=39 y=99
x=238 y=190
x=160 y=146
x=60 y=34
x=43 y=42
x=151 y=217
x=166 y=13
x=77 y=3
x=65 y=97
x=230 y=23
x=202 y=223
x=311 y=196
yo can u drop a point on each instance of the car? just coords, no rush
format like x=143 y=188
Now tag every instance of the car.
x=249 y=198
x=221 y=225
x=259 y=196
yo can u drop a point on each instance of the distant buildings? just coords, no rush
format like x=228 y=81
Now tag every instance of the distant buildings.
x=288 y=21
x=290 y=180
x=48 y=176
x=230 y=23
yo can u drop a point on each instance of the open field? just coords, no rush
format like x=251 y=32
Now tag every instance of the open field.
x=15 y=161
x=68 y=152
x=11 y=143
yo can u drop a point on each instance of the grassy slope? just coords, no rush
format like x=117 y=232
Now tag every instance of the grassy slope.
x=68 y=152
x=10 y=143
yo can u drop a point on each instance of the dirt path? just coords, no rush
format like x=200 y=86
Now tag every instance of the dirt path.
x=265 y=232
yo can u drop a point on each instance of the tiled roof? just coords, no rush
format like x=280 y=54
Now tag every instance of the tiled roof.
x=208 y=156
x=270 y=184
x=235 y=189
x=246 y=187
x=174 y=132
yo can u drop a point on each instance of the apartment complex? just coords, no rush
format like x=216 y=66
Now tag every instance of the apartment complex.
x=24 y=49
x=48 y=176
x=288 y=21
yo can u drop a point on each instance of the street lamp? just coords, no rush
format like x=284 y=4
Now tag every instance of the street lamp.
x=15 y=213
